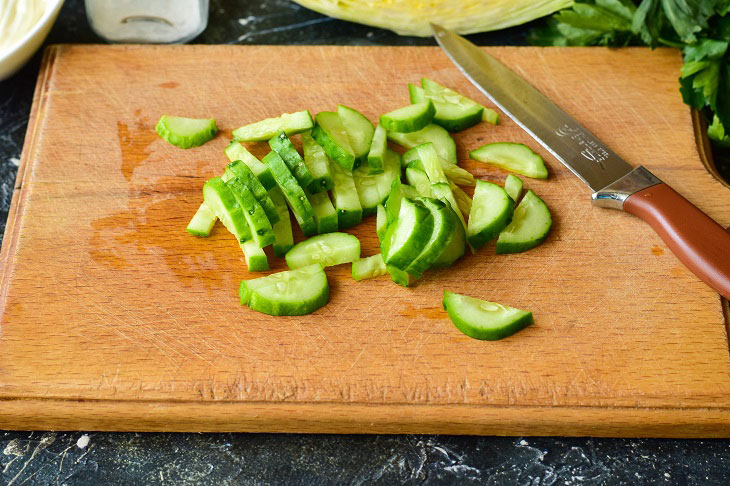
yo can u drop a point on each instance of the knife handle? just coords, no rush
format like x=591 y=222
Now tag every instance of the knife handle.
x=695 y=238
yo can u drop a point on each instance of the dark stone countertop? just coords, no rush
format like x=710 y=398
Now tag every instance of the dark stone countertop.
x=131 y=458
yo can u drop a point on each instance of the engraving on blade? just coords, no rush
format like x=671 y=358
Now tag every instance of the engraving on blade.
x=566 y=139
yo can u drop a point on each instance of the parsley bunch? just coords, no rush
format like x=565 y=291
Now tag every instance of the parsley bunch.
x=701 y=28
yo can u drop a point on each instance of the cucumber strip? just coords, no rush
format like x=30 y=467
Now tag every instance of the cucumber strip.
x=370 y=267
x=331 y=134
x=317 y=162
x=456 y=247
x=530 y=226
x=290 y=293
x=431 y=164
x=480 y=319
x=346 y=200
x=235 y=151
x=373 y=189
x=435 y=89
x=325 y=215
x=283 y=146
x=491 y=212
x=443 y=191
x=255 y=257
x=381 y=222
x=408 y=119
x=462 y=199
x=261 y=230
x=513 y=186
x=392 y=204
x=243 y=173
x=359 y=130
x=409 y=191
x=490 y=116
x=442 y=141
x=399 y=276
x=186 y=132
x=289 y=123
x=219 y=198
x=328 y=250
x=293 y=193
x=419 y=180
x=441 y=235
x=406 y=238
x=514 y=157
x=453 y=172
x=416 y=93
x=283 y=237
x=377 y=150
x=451 y=113
x=203 y=221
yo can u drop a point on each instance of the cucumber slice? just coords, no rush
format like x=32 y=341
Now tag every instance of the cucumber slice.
x=255 y=257
x=419 y=180
x=454 y=111
x=381 y=222
x=330 y=133
x=329 y=249
x=443 y=191
x=514 y=157
x=283 y=237
x=480 y=319
x=243 y=173
x=530 y=226
x=453 y=172
x=513 y=186
x=346 y=200
x=406 y=238
x=377 y=150
x=444 y=225
x=409 y=191
x=392 y=204
x=289 y=123
x=186 y=132
x=456 y=247
x=431 y=164
x=283 y=146
x=290 y=293
x=370 y=267
x=325 y=215
x=203 y=221
x=491 y=212
x=317 y=162
x=359 y=130
x=399 y=276
x=416 y=93
x=490 y=116
x=219 y=198
x=235 y=151
x=373 y=189
x=462 y=199
x=409 y=119
x=293 y=193
x=259 y=224
x=442 y=141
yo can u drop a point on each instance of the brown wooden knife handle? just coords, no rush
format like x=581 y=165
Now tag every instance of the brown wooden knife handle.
x=698 y=241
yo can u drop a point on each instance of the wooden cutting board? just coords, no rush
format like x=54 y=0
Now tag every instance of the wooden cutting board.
x=114 y=318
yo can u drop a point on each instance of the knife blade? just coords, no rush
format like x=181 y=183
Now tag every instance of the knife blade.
x=697 y=240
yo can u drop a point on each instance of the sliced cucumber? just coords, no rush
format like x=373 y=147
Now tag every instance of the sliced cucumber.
x=419 y=180
x=289 y=123
x=454 y=111
x=381 y=222
x=255 y=257
x=453 y=172
x=325 y=215
x=491 y=212
x=377 y=150
x=186 y=132
x=444 y=225
x=431 y=164
x=203 y=221
x=456 y=247
x=346 y=200
x=359 y=130
x=462 y=199
x=331 y=134
x=373 y=189
x=406 y=238
x=243 y=173
x=290 y=293
x=399 y=276
x=442 y=141
x=530 y=226
x=443 y=191
x=283 y=146
x=219 y=198
x=370 y=267
x=283 y=237
x=484 y=320
x=293 y=193
x=513 y=186
x=409 y=191
x=490 y=116
x=329 y=249
x=434 y=89
x=514 y=157
x=236 y=151
x=410 y=118
x=417 y=94
x=392 y=204
x=261 y=230
x=317 y=162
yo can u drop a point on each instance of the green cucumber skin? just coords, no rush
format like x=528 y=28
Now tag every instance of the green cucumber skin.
x=381 y=223
x=351 y=117
x=339 y=154
x=478 y=238
x=378 y=147
x=241 y=230
x=470 y=114
x=284 y=239
x=317 y=162
x=202 y=222
x=457 y=125
x=325 y=214
x=246 y=133
x=394 y=122
x=254 y=301
x=293 y=193
x=399 y=276
x=244 y=173
x=341 y=247
x=283 y=146
x=235 y=151
x=185 y=141
x=456 y=247
x=418 y=235
x=442 y=233
x=484 y=334
x=443 y=142
x=261 y=229
x=373 y=189
x=255 y=257
x=513 y=186
x=504 y=246
x=346 y=199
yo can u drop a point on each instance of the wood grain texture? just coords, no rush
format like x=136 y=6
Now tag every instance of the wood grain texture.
x=114 y=318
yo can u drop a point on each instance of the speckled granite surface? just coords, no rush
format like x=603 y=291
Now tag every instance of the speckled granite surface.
x=110 y=458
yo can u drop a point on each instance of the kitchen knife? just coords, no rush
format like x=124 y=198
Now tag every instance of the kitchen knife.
x=698 y=241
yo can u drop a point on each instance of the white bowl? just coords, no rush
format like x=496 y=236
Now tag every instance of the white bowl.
x=24 y=49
